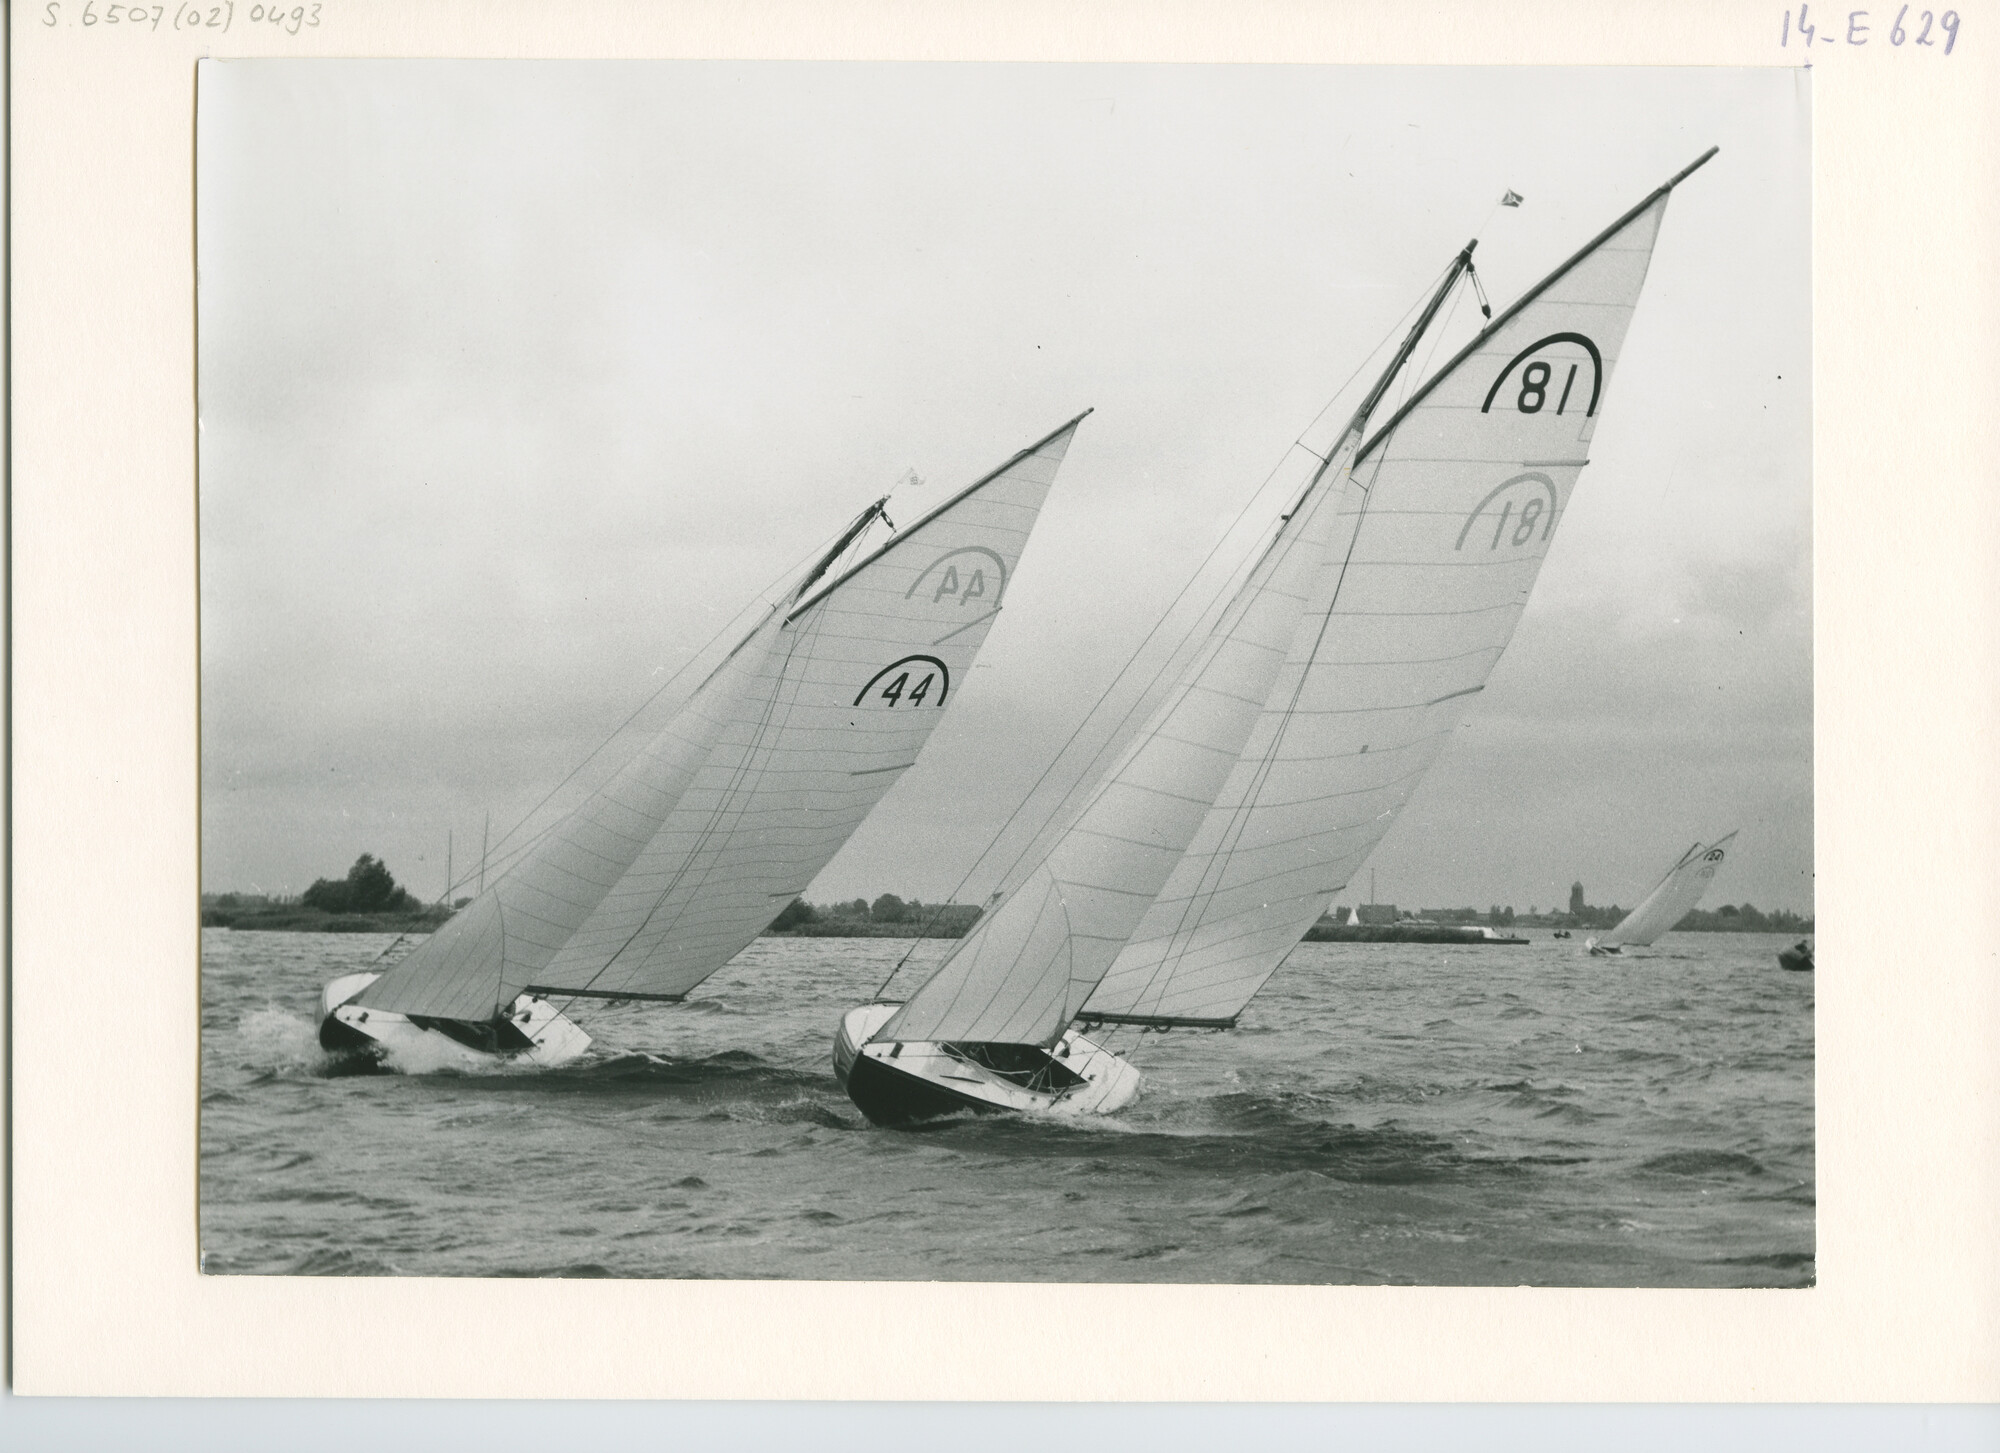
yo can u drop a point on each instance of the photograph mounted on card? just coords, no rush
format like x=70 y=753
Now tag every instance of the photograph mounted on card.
x=1087 y=673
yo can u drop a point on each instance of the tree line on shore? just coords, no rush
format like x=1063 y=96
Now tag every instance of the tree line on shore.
x=367 y=900
x=1729 y=918
x=887 y=917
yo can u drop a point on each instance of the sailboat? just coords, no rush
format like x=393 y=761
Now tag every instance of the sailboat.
x=672 y=866
x=1307 y=716
x=1672 y=898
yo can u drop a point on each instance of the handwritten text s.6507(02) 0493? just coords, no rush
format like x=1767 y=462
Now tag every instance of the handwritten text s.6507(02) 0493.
x=93 y=15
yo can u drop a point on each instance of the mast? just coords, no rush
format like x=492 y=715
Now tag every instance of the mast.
x=1358 y=425
x=847 y=537
x=1460 y=265
x=937 y=513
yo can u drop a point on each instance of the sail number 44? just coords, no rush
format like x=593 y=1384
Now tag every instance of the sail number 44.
x=912 y=681
x=1856 y=27
x=893 y=692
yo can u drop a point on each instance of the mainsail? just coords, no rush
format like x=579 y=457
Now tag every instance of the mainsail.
x=1672 y=898
x=699 y=841
x=1455 y=501
x=846 y=696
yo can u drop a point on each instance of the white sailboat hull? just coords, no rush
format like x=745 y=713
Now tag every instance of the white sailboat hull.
x=857 y=1026
x=907 y=1082
x=532 y=1031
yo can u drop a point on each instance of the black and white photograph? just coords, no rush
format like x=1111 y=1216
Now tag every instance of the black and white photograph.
x=1006 y=672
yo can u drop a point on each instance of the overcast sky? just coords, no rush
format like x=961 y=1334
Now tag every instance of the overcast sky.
x=519 y=380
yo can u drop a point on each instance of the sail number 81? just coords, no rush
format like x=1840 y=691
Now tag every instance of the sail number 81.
x=1535 y=388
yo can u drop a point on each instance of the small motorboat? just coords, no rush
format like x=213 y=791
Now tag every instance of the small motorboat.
x=1798 y=958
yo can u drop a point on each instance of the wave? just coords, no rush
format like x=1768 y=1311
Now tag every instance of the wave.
x=709 y=1006
x=435 y=1055
x=1782 y=1260
x=1703 y=1162
x=733 y=1084
x=1236 y=1133
x=278 y=1041
x=279 y=1044
x=339 y=1261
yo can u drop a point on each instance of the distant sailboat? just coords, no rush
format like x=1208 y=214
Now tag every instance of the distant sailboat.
x=1671 y=900
x=668 y=870
x=1307 y=716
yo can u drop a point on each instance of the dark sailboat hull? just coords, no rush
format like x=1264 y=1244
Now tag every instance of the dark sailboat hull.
x=909 y=1082
x=891 y=1098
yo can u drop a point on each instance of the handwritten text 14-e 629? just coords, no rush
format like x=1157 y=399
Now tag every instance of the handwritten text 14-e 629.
x=1860 y=27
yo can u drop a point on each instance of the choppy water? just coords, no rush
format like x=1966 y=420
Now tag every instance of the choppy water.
x=1387 y=1113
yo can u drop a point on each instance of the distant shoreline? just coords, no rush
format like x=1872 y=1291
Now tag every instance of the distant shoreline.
x=854 y=928
x=1408 y=933
x=293 y=918
x=309 y=920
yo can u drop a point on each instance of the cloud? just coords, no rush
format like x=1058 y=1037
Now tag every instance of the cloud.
x=519 y=381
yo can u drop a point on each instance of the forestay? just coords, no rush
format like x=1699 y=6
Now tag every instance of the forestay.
x=1453 y=505
x=1025 y=968
x=851 y=688
x=1672 y=898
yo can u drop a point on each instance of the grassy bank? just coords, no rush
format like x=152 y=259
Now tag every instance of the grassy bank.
x=297 y=918
x=862 y=928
